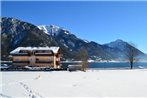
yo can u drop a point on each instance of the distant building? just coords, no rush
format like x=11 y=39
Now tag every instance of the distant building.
x=36 y=57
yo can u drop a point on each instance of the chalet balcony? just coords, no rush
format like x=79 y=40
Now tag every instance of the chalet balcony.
x=44 y=61
x=43 y=54
x=21 y=62
x=21 y=54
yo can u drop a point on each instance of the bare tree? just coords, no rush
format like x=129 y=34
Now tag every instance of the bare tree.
x=84 y=58
x=131 y=54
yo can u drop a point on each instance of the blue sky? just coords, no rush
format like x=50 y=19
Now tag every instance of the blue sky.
x=97 y=21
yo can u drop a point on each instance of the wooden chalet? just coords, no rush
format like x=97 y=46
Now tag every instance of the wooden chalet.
x=36 y=57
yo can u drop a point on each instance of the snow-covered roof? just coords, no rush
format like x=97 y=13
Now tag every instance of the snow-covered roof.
x=54 y=49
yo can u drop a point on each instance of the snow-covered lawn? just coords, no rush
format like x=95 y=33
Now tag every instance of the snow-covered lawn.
x=93 y=83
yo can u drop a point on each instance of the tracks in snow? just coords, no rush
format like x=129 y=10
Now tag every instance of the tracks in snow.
x=32 y=94
x=4 y=96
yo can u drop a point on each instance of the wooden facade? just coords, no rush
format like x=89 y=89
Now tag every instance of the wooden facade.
x=36 y=57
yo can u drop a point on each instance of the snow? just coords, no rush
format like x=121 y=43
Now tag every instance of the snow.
x=52 y=29
x=16 y=50
x=93 y=83
x=54 y=49
x=49 y=29
x=120 y=44
x=86 y=41
x=43 y=27
x=91 y=61
x=66 y=32
x=65 y=45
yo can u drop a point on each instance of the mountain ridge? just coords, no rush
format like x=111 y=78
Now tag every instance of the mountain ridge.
x=16 y=33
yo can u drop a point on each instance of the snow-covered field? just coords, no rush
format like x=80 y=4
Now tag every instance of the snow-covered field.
x=93 y=83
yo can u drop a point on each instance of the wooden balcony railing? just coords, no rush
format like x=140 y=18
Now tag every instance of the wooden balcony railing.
x=21 y=62
x=44 y=61
x=21 y=54
x=43 y=54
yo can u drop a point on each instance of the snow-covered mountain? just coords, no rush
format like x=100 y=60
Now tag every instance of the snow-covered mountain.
x=52 y=29
x=16 y=33
x=118 y=44
x=119 y=47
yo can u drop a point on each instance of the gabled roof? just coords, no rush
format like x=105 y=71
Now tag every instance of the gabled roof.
x=54 y=49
